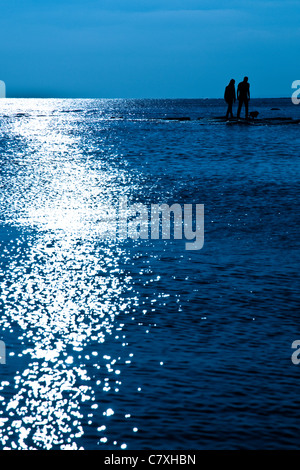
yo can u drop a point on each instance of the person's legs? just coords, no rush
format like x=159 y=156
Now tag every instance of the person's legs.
x=239 y=108
x=246 y=107
x=229 y=111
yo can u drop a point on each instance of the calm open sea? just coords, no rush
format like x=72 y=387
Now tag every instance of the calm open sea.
x=142 y=344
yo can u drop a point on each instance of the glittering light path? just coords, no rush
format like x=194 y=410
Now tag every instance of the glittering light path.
x=62 y=289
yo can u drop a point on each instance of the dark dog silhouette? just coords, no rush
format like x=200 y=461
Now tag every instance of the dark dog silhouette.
x=254 y=114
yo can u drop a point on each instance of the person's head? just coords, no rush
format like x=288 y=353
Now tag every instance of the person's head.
x=245 y=79
x=232 y=82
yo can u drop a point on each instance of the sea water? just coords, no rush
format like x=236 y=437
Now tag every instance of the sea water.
x=142 y=344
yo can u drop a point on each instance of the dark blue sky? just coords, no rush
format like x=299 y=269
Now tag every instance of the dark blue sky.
x=148 y=48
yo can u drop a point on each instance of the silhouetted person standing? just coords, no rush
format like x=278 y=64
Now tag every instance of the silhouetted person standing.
x=243 y=95
x=230 y=97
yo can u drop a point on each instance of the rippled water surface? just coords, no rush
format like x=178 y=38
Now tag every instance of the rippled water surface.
x=141 y=344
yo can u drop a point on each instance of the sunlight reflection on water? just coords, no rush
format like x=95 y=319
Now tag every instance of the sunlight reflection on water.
x=66 y=292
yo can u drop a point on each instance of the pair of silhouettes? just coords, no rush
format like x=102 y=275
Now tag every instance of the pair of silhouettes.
x=243 y=96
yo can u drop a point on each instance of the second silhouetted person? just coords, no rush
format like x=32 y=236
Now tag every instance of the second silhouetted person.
x=229 y=97
x=243 y=96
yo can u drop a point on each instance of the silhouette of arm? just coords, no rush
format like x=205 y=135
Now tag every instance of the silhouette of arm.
x=249 y=92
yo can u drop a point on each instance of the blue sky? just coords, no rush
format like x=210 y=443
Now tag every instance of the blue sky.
x=148 y=48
